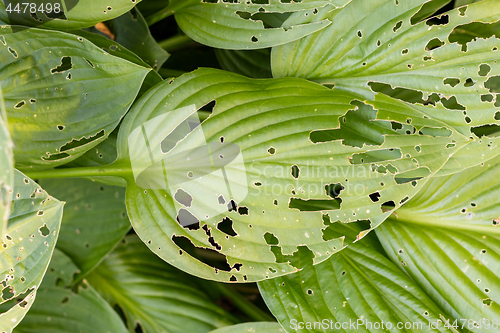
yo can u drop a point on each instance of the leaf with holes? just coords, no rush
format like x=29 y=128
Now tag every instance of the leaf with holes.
x=259 y=327
x=63 y=94
x=94 y=220
x=375 y=42
x=357 y=287
x=154 y=295
x=27 y=247
x=6 y=167
x=447 y=240
x=63 y=15
x=243 y=25
x=80 y=309
x=295 y=151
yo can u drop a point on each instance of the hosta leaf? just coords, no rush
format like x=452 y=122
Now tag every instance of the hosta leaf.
x=154 y=294
x=258 y=327
x=237 y=25
x=102 y=154
x=446 y=238
x=459 y=3
x=27 y=247
x=132 y=32
x=6 y=168
x=475 y=153
x=78 y=14
x=94 y=220
x=63 y=94
x=59 y=309
x=375 y=42
x=302 y=150
x=253 y=63
x=355 y=290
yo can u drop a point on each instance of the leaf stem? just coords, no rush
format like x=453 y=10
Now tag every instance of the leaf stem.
x=250 y=309
x=158 y=16
x=175 y=42
x=108 y=170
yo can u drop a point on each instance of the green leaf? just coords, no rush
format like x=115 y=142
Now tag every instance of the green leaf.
x=59 y=309
x=475 y=153
x=132 y=32
x=375 y=42
x=304 y=150
x=231 y=25
x=459 y=3
x=79 y=14
x=154 y=294
x=63 y=94
x=6 y=167
x=428 y=10
x=258 y=327
x=94 y=220
x=150 y=7
x=253 y=63
x=103 y=154
x=355 y=290
x=446 y=238
x=27 y=247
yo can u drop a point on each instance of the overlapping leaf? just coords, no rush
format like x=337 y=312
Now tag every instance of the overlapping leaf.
x=6 y=168
x=355 y=290
x=27 y=247
x=94 y=220
x=59 y=309
x=295 y=168
x=102 y=154
x=154 y=294
x=375 y=42
x=131 y=31
x=75 y=14
x=446 y=238
x=63 y=94
x=259 y=327
x=241 y=25
x=253 y=63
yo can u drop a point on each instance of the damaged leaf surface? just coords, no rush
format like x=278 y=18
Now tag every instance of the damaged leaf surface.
x=290 y=179
x=26 y=248
x=55 y=115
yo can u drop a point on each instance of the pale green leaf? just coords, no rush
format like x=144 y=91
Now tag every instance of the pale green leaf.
x=293 y=168
x=355 y=290
x=231 y=25
x=375 y=42
x=94 y=220
x=6 y=167
x=27 y=247
x=258 y=327
x=154 y=294
x=447 y=239
x=63 y=94
x=59 y=309
x=75 y=14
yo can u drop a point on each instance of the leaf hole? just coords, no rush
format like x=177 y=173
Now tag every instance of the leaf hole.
x=65 y=65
